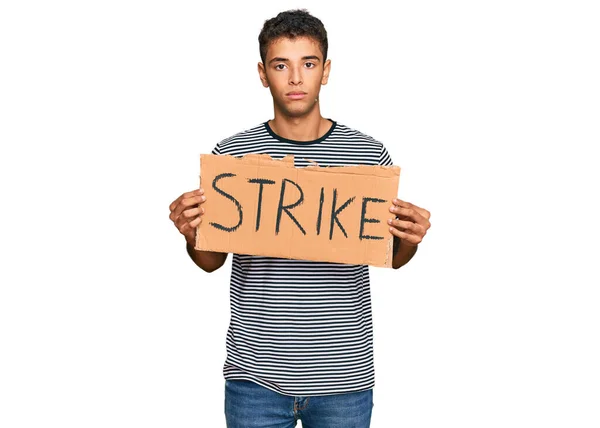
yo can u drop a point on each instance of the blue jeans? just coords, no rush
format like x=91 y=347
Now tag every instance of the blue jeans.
x=248 y=405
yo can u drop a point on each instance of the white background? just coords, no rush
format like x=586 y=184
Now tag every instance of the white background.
x=491 y=109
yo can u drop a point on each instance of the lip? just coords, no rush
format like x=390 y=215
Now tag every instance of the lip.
x=296 y=95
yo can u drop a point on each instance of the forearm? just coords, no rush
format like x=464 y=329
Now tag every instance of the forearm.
x=208 y=261
x=402 y=253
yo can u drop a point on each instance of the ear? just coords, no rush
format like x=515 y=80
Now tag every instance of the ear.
x=326 y=70
x=262 y=73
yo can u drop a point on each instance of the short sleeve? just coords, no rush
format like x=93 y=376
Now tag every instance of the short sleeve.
x=384 y=157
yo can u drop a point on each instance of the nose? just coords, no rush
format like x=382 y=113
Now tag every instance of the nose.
x=295 y=76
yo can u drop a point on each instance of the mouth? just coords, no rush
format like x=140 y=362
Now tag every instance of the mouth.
x=296 y=95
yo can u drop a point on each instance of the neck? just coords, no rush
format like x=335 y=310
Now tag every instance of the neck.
x=305 y=128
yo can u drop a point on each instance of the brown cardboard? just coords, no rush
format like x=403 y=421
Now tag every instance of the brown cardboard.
x=289 y=228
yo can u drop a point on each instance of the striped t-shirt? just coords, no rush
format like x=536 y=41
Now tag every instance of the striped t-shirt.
x=302 y=327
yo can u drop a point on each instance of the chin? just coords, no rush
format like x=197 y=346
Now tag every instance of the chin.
x=299 y=112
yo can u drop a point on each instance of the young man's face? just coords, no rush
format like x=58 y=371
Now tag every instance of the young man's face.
x=294 y=72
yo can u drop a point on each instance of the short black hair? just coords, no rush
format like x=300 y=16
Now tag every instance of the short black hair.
x=292 y=24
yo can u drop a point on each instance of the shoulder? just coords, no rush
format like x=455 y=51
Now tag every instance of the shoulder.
x=345 y=132
x=367 y=143
x=245 y=135
x=241 y=139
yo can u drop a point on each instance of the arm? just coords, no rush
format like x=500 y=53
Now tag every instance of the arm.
x=409 y=228
x=403 y=252
x=208 y=261
x=186 y=214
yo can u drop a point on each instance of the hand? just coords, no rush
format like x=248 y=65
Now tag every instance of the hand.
x=186 y=213
x=411 y=223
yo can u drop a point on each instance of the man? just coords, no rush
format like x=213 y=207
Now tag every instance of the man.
x=299 y=345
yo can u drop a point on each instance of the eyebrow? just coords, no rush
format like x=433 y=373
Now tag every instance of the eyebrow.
x=280 y=59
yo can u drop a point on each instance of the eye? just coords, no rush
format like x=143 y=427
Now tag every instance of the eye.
x=279 y=66
x=310 y=64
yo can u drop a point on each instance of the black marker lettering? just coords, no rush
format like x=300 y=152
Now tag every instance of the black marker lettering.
x=287 y=208
x=261 y=182
x=334 y=214
x=319 y=217
x=364 y=219
x=231 y=198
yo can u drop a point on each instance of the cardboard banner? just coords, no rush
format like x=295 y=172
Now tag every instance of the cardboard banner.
x=261 y=206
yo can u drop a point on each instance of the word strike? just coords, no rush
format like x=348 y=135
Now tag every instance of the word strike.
x=287 y=209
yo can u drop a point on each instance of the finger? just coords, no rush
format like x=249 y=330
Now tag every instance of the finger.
x=402 y=212
x=406 y=237
x=192 y=212
x=189 y=230
x=185 y=195
x=401 y=203
x=186 y=229
x=408 y=214
x=176 y=201
x=422 y=211
x=188 y=203
x=187 y=223
x=407 y=226
x=195 y=222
